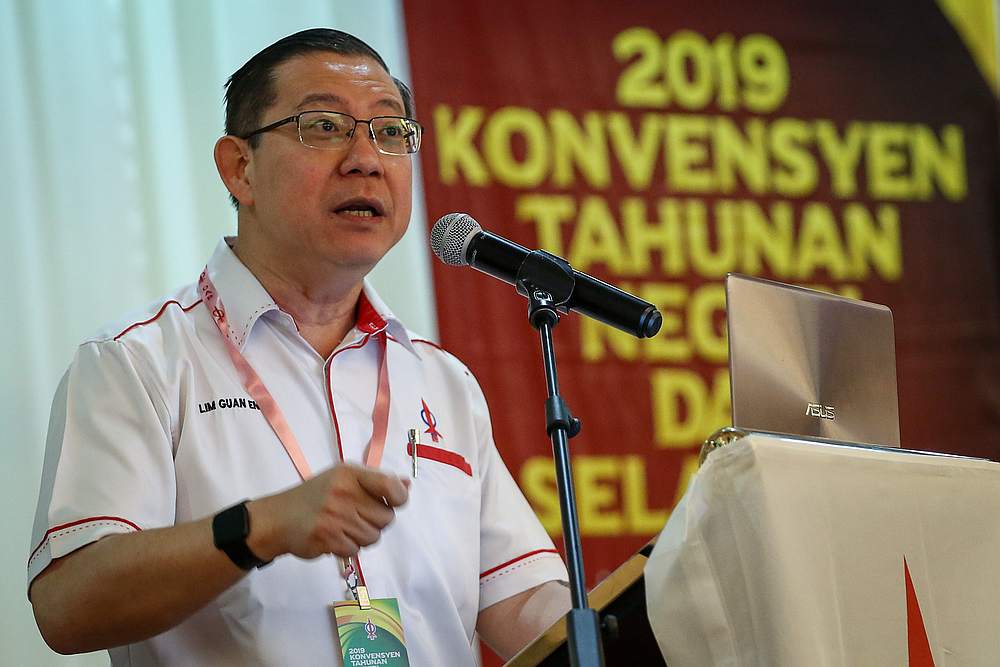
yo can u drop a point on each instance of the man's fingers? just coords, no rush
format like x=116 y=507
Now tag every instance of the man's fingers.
x=376 y=513
x=381 y=485
x=344 y=547
x=362 y=533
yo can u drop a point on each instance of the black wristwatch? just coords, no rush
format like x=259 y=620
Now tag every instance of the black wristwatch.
x=230 y=529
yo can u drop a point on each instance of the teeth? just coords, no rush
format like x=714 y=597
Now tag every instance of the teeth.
x=365 y=213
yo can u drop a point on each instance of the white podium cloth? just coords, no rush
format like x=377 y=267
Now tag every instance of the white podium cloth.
x=791 y=553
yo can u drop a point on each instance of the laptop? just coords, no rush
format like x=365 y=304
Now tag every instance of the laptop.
x=811 y=364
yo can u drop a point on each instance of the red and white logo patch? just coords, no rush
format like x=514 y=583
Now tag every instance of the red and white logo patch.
x=430 y=421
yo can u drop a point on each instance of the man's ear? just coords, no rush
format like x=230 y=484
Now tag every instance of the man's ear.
x=232 y=159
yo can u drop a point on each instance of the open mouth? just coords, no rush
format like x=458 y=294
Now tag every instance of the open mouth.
x=362 y=208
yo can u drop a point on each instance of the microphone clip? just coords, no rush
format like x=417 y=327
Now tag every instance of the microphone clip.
x=548 y=283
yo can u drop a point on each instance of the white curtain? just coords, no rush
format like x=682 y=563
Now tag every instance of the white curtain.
x=109 y=198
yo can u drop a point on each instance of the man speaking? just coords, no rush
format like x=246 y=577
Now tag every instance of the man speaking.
x=268 y=454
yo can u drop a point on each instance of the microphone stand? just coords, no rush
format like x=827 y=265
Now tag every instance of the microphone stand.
x=583 y=633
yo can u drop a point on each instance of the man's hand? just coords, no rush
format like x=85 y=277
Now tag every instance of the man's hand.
x=336 y=512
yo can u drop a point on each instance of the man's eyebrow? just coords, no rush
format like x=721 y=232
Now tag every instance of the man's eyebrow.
x=392 y=104
x=336 y=100
x=328 y=98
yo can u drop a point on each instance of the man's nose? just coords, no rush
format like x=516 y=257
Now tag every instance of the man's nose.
x=362 y=156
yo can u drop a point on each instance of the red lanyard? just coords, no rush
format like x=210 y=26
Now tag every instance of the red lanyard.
x=276 y=418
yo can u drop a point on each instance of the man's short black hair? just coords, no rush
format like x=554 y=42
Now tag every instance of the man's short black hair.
x=250 y=90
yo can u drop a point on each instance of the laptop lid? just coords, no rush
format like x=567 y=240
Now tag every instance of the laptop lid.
x=813 y=364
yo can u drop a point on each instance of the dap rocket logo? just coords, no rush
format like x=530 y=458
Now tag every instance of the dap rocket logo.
x=430 y=421
x=919 y=648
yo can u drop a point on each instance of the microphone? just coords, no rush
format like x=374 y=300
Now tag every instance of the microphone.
x=458 y=240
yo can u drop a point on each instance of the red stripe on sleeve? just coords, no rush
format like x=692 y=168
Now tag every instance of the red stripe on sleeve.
x=514 y=560
x=64 y=526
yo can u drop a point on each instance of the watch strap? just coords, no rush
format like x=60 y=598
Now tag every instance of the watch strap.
x=230 y=530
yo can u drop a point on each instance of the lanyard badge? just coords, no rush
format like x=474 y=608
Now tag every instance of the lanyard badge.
x=370 y=631
x=372 y=636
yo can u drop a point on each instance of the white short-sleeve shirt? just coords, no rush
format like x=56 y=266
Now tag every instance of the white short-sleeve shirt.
x=151 y=427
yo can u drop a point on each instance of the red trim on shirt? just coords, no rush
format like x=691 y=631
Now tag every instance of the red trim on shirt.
x=427 y=342
x=157 y=316
x=366 y=319
x=514 y=560
x=362 y=303
x=441 y=456
x=77 y=523
x=329 y=389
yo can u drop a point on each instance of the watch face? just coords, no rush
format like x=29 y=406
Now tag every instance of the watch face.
x=230 y=529
x=231 y=526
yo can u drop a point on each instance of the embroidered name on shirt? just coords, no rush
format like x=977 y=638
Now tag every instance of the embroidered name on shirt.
x=228 y=403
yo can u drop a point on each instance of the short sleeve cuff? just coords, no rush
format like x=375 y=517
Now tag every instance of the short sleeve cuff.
x=68 y=537
x=520 y=574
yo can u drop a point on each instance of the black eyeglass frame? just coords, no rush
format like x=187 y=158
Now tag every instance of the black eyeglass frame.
x=350 y=135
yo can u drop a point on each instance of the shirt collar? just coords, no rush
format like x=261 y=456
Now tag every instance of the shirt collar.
x=373 y=315
x=242 y=295
x=246 y=300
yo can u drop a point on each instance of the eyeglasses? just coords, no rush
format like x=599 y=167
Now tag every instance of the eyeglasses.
x=330 y=130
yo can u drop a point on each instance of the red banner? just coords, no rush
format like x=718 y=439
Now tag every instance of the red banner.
x=850 y=147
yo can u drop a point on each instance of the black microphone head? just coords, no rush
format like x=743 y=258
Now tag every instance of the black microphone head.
x=451 y=235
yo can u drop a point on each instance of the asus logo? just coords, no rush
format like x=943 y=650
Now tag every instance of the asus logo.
x=817 y=410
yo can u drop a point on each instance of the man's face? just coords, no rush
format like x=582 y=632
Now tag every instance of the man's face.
x=340 y=208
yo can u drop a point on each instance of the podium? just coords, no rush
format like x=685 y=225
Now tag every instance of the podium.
x=788 y=553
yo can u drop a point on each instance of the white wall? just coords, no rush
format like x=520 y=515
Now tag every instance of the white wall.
x=109 y=197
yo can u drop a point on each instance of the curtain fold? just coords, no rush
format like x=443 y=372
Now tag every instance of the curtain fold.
x=111 y=198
